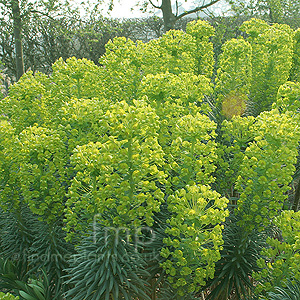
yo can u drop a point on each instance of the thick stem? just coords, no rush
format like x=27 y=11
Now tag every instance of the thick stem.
x=153 y=290
x=191 y=170
x=78 y=88
x=130 y=169
x=296 y=198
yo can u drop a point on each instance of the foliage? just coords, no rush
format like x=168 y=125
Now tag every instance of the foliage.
x=202 y=31
x=187 y=245
x=290 y=292
x=274 y=11
x=239 y=256
x=248 y=165
x=226 y=28
x=2 y=90
x=29 y=244
x=288 y=97
x=64 y=32
x=136 y=148
x=233 y=77
x=7 y=296
x=66 y=170
x=272 y=50
x=281 y=259
x=110 y=265
x=118 y=174
x=296 y=58
x=262 y=188
x=236 y=134
x=34 y=289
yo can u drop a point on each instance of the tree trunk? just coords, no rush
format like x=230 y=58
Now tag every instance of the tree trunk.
x=17 y=21
x=275 y=10
x=168 y=16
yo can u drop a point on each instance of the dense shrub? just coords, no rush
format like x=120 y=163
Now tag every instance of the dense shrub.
x=143 y=155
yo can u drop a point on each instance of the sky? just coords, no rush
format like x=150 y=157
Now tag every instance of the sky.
x=128 y=9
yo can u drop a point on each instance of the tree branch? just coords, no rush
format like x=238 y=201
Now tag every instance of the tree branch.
x=196 y=9
x=40 y=13
x=155 y=6
x=54 y=19
x=176 y=8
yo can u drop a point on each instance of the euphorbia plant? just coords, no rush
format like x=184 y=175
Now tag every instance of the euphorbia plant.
x=133 y=147
x=272 y=49
x=233 y=79
x=281 y=258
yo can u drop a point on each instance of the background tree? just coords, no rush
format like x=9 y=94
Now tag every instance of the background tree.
x=170 y=10
x=35 y=34
x=10 y=10
x=17 y=23
x=274 y=11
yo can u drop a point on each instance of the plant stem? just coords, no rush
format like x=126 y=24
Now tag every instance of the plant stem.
x=296 y=198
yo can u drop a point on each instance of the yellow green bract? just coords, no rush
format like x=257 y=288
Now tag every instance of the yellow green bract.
x=120 y=142
x=7 y=296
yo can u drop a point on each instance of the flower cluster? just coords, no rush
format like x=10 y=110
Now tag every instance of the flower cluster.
x=267 y=168
x=272 y=54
